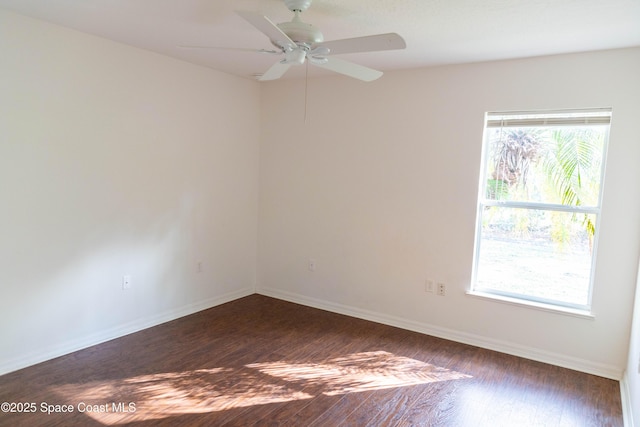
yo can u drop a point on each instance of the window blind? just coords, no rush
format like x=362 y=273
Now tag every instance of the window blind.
x=557 y=118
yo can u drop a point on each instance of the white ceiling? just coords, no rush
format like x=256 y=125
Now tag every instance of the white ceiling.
x=436 y=31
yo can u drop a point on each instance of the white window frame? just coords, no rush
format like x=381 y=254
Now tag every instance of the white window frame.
x=539 y=119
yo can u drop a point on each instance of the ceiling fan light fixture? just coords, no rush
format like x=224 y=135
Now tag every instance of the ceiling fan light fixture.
x=295 y=56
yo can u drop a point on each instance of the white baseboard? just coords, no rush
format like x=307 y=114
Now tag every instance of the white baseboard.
x=627 y=412
x=118 y=331
x=602 y=370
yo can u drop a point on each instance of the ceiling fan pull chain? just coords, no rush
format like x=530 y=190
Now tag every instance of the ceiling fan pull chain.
x=306 y=84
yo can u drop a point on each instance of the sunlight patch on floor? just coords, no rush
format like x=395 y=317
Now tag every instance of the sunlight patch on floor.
x=359 y=372
x=163 y=395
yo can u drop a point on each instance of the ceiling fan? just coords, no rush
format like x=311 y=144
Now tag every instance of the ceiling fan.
x=300 y=42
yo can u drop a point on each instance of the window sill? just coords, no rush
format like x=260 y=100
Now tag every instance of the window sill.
x=585 y=314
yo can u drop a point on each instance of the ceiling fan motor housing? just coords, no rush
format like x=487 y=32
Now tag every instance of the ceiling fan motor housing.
x=301 y=32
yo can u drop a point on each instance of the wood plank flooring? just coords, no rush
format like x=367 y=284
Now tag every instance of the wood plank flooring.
x=259 y=361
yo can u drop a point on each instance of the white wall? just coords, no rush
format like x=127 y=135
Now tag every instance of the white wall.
x=379 y=186
x=631 y=383
x=114 y=161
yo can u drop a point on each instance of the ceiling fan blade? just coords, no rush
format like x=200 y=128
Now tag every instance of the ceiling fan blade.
x=276 y=71
x=240 y=49
x=350 y=69
x=389 y=41
x=268 y=28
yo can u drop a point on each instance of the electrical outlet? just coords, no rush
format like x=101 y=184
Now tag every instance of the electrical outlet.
x=199 y=267
x=442 y=289
x=312 y=264
x=126 y=282
x=429 y=285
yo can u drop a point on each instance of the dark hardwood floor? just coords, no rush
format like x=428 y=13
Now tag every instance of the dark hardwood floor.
x=265 y=362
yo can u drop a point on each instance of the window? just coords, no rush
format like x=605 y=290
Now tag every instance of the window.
x=539 y=204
